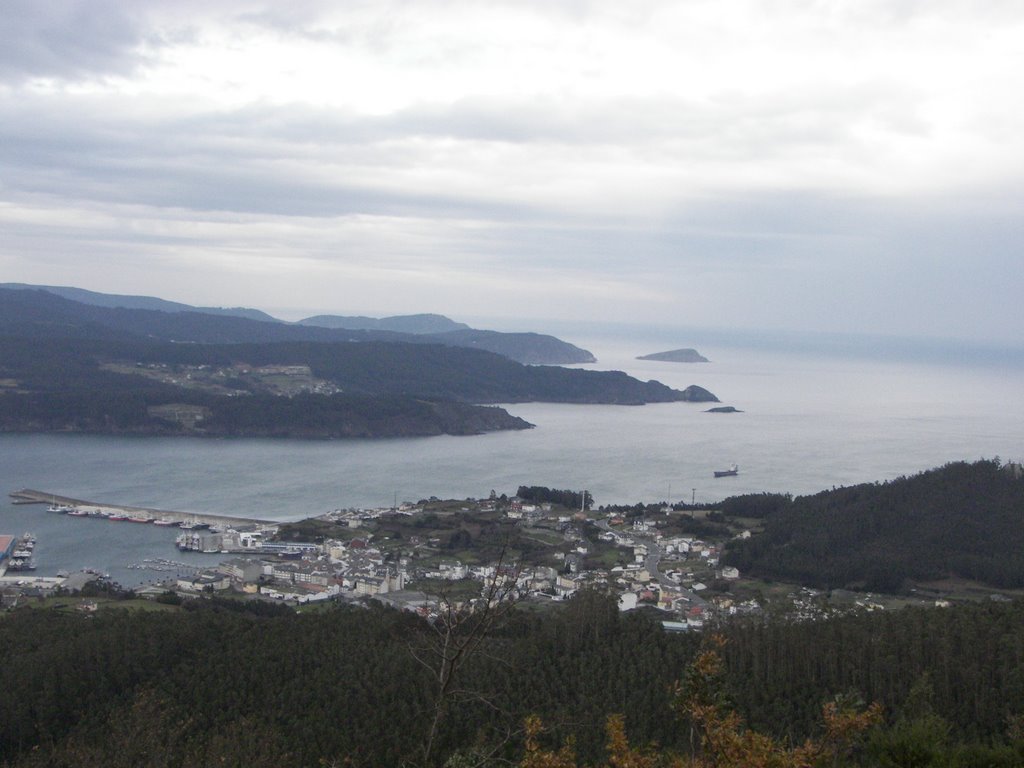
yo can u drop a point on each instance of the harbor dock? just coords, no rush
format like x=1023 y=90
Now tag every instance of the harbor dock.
x=135 y=514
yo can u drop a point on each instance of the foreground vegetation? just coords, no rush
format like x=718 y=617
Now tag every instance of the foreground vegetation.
x=226 y=683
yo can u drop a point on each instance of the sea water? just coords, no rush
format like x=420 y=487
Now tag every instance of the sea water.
x=810 y=421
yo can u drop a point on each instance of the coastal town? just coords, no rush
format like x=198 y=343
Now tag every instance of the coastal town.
x=435 y=554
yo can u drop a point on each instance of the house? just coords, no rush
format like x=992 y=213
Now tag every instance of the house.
x=565 y=586
x=667 y=599
x=242 y=569
x=370 y=585
x=453 y=570
x=208 y=581
x=250 y=539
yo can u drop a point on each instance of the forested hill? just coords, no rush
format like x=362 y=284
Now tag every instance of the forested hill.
x=225 y=682
x=84 y=296
x=286 y=389
x=75 y=313
x=961 y=520
x=367 y=368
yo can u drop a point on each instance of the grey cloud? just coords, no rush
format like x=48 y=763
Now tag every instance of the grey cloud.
x=84 y=152
x=69 y=40
x=271 y=159
x=81 y=39
x=744 y=121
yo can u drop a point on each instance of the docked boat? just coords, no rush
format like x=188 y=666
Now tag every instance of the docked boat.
x=732 y=471
x=21 y=564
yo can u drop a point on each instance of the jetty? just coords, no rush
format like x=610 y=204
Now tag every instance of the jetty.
x=139 y=514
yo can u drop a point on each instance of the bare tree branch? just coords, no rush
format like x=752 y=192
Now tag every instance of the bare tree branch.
x=459 y=631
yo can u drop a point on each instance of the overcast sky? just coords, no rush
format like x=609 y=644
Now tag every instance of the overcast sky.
x=847 y=166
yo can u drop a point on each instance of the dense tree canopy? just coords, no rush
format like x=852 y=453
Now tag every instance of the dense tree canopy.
x=211 y=685
x=961 y=520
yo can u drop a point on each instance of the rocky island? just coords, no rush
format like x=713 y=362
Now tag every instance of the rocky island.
x=695 y=394
x=677 y=356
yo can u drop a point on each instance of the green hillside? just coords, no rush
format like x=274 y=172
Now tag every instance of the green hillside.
x=963 y=520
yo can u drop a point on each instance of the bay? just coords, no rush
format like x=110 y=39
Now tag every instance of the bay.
x=809 y=422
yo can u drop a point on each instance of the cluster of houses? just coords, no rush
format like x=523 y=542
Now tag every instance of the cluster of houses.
x=298 y=572
x=674 y=573
x=356 y=568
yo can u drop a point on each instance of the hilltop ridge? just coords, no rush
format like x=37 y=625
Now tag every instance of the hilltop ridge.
x=211 y=325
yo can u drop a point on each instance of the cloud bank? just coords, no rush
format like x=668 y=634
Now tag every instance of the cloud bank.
x=852 y=166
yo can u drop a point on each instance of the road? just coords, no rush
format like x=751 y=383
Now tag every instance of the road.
x=651 y=563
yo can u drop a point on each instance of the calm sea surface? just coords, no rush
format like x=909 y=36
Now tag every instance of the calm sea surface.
x=808 y=423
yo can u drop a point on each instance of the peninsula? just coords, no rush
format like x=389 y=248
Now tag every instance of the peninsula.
x=66 y=366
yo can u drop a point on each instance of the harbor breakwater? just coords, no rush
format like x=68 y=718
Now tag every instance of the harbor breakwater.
x=136 y=514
